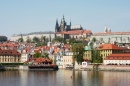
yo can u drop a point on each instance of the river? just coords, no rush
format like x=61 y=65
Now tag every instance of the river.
x=64 y=78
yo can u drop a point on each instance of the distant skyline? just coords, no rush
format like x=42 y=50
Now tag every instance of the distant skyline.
x=26 y=16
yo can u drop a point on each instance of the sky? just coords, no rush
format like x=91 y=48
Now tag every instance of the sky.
x=26 y=16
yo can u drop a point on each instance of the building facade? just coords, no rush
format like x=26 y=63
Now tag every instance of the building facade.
x=10 y=56
x=110 y=37
x=117 y=59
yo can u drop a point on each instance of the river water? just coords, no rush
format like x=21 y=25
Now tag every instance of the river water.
x=64 y=78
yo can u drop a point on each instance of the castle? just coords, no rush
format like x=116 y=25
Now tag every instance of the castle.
x=63 y=30
x=70 y=31
x=64 y=27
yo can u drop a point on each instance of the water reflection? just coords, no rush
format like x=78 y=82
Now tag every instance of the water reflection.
x=63 y=78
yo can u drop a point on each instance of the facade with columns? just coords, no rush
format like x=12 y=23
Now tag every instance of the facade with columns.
x=110 y=37
x=10 y=56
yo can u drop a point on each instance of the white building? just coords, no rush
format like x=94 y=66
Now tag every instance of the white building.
x=24 y=56
x=15 y=37
x=117 y=59
x=110 y=37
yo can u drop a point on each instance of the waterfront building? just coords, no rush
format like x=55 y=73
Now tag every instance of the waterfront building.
x=10 y=56
x=110 y=37
x=24 y=56
x=104 y=50
x=67 y=61
x=107 y=49
x=87 y=53
x=117 y=59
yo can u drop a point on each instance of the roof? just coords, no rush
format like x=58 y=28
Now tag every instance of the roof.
x=123 y=56
x=77 y=32
x=109 y=47
x=8 y=45
x=111 y=33
x=9 y=52
x=42 y=60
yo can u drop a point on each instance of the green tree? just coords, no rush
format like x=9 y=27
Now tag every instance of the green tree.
x=96 y=57
x=43 y=38
x=37 y=55
x=45 y=55
x=36 y=39
x=28 y=39
x=93 y=39
x=78 y=51
x=59 y=39
x=20 y=40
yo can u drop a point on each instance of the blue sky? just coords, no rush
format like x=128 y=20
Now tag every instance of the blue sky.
x=25 y=16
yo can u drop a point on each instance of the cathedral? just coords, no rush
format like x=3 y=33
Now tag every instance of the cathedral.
x=63 y=27
x=67 y=31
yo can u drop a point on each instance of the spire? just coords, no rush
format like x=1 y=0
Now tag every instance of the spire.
x=56 y=21
x=63 y=18
x=56 y=26
x=70 y=22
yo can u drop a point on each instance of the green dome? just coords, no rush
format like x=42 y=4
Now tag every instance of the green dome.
x=87 y=48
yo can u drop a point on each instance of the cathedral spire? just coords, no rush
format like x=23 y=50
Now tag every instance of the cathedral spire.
x=63 y=18
x=70 y=22
x=56 y=26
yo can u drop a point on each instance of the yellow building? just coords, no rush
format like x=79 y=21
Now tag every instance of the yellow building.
x=67 y=60
x=87 y=53
x=107 y=49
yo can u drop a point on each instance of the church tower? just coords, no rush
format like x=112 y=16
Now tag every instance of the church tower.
x=63 y=24
x=57 y=26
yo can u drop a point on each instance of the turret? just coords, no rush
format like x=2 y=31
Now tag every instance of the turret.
x=105 y=30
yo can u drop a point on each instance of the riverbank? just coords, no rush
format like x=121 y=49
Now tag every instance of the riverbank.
x=88 y=68
x=107 y=68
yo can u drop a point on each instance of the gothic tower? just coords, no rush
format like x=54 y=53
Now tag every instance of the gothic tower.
x=63 y=24
x=57 y=26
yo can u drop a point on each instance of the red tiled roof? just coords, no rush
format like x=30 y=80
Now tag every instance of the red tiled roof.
x=123 y=56
x=75 y=32
x=9 y=52
x=109 y=47
x=42 y=60
x=9 y=45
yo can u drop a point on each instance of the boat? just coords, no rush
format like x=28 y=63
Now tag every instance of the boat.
x=42 y=64
x=43 y=67
x=69 y=66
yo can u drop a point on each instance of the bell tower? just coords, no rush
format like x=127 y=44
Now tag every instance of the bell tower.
x=63 y=24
